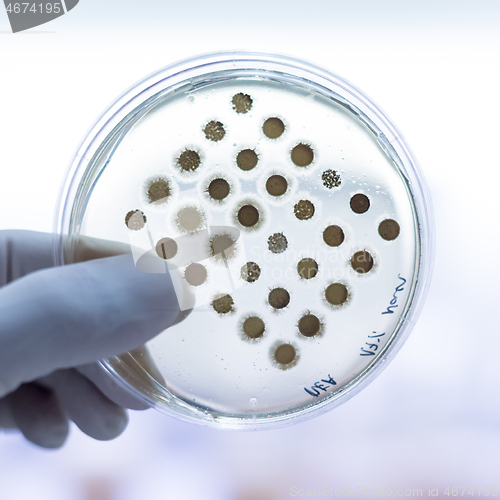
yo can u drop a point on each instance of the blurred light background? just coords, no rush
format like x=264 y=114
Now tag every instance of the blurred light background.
x=432 y=419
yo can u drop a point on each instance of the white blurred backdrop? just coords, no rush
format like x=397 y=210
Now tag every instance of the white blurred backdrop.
x=432 y=419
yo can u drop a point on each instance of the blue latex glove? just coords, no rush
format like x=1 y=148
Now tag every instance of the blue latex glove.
x=53 y=320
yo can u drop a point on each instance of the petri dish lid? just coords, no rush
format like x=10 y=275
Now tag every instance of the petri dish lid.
x=289 y=207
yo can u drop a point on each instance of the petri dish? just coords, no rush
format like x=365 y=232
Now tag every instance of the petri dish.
x=290 y=207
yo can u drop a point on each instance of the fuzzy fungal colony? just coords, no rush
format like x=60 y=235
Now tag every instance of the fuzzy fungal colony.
x=249 y=214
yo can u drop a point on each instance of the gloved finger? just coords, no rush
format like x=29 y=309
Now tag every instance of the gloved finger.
x=38 y=414
x=6 y=418
x=23 y=252
x=85 y=405
x=141 y=363
x=73 y=315
x=86 y=248
x=101 y=379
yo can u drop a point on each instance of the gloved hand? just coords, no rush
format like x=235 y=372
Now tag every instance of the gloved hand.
x=54 y=319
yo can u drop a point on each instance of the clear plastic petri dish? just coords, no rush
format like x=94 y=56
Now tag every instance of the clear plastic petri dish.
x=287 y=205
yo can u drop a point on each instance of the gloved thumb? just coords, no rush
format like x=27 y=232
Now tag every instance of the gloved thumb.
x=69 y=316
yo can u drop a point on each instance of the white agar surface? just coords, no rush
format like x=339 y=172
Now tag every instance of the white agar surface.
x=205 y=359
